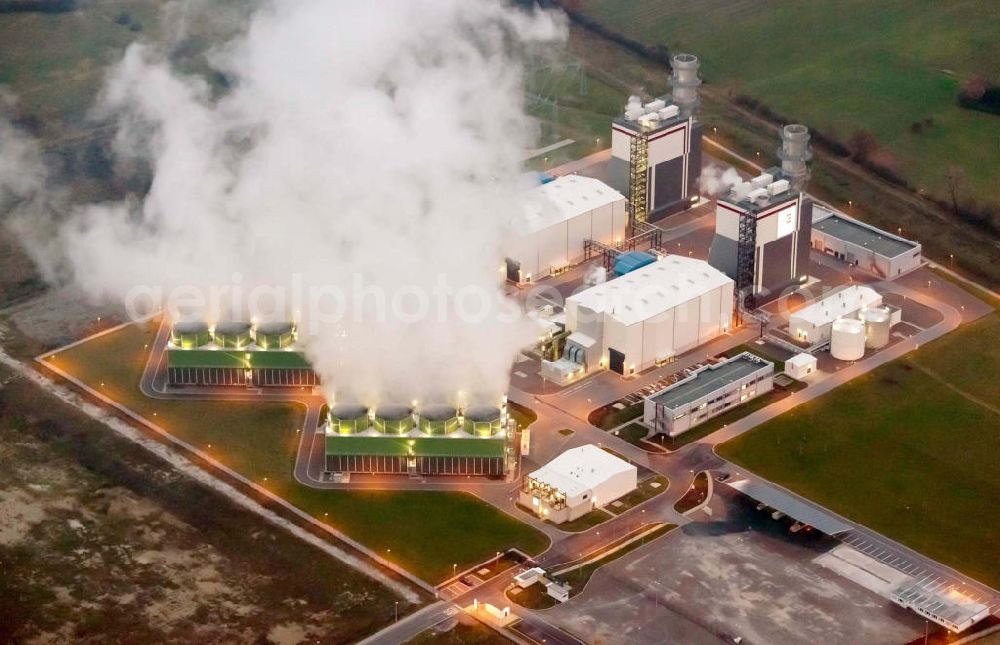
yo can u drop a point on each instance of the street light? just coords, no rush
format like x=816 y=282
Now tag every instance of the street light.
x=454 y=570
x=396 y=612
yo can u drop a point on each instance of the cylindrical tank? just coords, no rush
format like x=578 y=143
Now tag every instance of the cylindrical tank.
x=438 y=419
x=794 y=153
x=233 y=335
x=348 y=418
x=685 y=83
x=274 y=335
x=189 y=335
x=393 y=419
x=878 y=324
x=847 y=339
x=483 y=421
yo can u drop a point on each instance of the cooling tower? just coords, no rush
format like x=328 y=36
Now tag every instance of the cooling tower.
x=274 y=335
x=232 y=335
x=393 y=419
x=483 y=421
x=348 y=418
x=188 y=335
x=438 y=419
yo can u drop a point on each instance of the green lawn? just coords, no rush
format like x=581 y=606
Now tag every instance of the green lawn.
x=902 y=453
x=634 y=433
x=845 y=65
x=425 y=532
x=644 y=491
x=694 y=495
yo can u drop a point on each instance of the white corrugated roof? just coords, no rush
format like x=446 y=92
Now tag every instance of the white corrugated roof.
x=563 y=199
x=837 y=305
x=652 y=289
x=581 y=469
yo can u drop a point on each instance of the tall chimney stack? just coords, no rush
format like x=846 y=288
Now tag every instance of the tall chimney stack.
x=685 y=82
x=794 y=153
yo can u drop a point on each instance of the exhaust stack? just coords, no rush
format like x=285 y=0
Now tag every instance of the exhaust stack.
x=685 y=82
x=794 y=154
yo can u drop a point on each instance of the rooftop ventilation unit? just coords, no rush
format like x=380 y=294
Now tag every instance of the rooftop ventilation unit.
x=762 y=180
x=655 y=106
x=778 y=187
x=758 y=195
x=668 y=112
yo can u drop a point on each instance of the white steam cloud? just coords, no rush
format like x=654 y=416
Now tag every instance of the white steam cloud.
x=373 y=144
x=715 y=180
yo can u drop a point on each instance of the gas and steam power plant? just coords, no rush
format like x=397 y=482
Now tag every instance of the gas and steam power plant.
x=762 y=226
x=656 y=147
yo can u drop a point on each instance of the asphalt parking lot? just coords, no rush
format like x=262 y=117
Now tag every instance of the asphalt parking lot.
x=734 y=573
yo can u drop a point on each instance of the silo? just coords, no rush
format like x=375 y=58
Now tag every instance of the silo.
x=847 y=339
x=274 y=335
x=348 y=418
x=393 y=419
x=878 y=323
x=483 y=421
x=232 y=335
x=438 y=419
x=189 y=335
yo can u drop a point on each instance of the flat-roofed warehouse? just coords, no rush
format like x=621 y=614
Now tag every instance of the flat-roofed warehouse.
x=863 y=245
x=558 y=217
x=648 y=315
x=576 y=482
x=708 y=392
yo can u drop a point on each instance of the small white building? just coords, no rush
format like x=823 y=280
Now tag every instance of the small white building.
x=813 y=323
x=800 y=366
x=645 y=317
x=529 y=577
x=557 y=218
x=576 y=482
x=862 y=245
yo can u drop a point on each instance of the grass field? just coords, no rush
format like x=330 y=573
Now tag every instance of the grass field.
x=921 y=469
x=844 y=65
x=425 y=532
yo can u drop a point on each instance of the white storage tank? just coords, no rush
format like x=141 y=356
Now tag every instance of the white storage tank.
x=847 y=339
x=878 y=323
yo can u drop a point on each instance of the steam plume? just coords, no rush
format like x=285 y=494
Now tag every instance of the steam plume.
x=714 y=180
x=374 y=143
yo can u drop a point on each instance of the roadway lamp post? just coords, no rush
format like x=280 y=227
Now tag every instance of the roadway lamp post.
x=396 y=612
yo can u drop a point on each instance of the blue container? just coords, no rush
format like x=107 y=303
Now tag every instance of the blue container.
x=628 y=262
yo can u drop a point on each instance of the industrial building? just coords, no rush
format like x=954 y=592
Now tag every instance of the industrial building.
x=576 y=482
x=656 y=147
x=762 y=226
x=435 y=440
x=801 y=365
x=813 y=324
x=862 y=245
x=559 y=218
x=707 y=392
x=237 y=354
x=645 y=317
